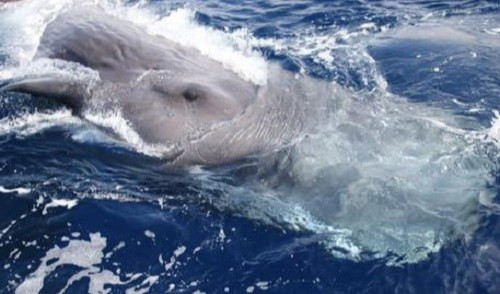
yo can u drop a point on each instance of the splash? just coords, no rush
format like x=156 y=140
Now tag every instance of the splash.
x=25 y=23
x=115 y=121
x=233 y=49
x=68 y=203
x=494 y=130
x=32 y=123
x=19 y=191
x=87 y=255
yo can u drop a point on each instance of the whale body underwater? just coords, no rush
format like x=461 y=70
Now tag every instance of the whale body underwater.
x=174 y=95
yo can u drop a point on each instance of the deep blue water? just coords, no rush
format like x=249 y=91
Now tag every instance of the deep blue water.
x=249 y=228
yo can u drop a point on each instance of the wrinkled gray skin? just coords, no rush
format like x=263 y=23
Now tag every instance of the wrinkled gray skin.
x=174 y=95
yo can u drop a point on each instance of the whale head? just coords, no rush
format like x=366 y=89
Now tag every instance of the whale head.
x=165 y=106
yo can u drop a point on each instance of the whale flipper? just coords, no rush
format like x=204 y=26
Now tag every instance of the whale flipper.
x=62 y=90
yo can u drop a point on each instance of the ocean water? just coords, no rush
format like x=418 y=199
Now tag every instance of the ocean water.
x=398 y=192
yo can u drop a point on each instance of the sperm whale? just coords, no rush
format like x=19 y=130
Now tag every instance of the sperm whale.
x=172 y=94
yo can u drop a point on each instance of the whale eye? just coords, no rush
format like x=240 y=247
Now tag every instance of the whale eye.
x=191 y=94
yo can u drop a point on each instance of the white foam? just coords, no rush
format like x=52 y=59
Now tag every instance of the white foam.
x=179 y=251
x=95 y=136
x=494 y=130
x=493 y=31
x=173 y=259
x=262 y=285
x=84 y=254
x=20 y=191
x=109 y=196
x=31 y=123
x=88 y=256
x=117 y=247
x=115 y=121
x=68 y=203
x=52 y=67
x=150 y=234
x=233 y=49
x=338 y=50
x=24 y=24
x=144 y=287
